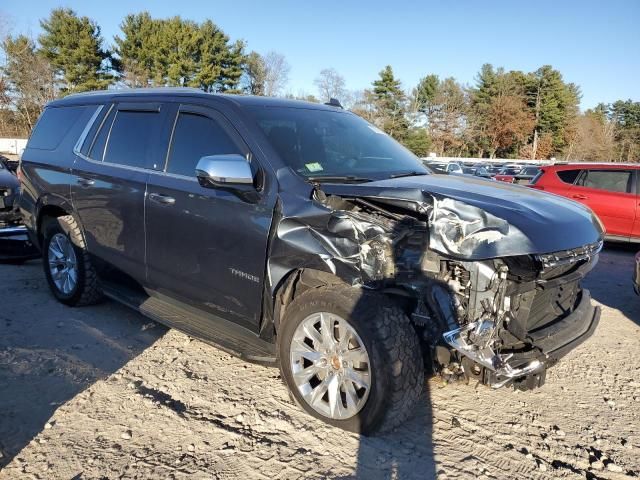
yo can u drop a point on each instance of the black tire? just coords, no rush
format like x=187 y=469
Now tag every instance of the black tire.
x=396 y=363
x=87 y=289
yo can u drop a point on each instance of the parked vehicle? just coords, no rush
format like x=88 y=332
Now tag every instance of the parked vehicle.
x=444 y=167
x=495 y=169
x=506 y=174
x=636 y=274
x=296 y=234
x=609 y=189
x=9 y=164
x=477 y=172
x=15 y=245
x=9 y=189
x=522 y=176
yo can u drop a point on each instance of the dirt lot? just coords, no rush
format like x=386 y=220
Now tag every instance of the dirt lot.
x=101 y=392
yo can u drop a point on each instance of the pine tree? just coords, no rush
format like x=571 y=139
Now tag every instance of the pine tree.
x=390 y=101
x=178 y=52
x=73 y=47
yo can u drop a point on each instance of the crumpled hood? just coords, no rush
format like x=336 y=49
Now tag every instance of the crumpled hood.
x=476 y=218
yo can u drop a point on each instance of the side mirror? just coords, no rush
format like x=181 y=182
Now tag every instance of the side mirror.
x=224 y=170
x=229 y=172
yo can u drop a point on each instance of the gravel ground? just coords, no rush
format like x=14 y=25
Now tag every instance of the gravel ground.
x=101 y=392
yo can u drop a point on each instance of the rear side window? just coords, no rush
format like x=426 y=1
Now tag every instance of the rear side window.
x=53 y=126
x=610 y=180
x=568 y=176
x=196 y=136
x=130 y=140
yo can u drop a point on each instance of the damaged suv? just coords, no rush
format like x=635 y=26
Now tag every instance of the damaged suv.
x=299 y=235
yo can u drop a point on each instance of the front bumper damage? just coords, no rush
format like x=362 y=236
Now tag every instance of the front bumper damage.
x=528 y=370
x=519 y=316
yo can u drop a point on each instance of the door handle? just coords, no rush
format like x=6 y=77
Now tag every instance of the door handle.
x=162 y=199
x=86 y=182
x=579 y=197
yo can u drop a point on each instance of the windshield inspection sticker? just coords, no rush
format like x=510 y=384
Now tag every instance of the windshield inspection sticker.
x=314 y=167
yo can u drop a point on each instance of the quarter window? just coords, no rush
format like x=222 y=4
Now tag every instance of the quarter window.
x=610 y=180
x=196 y=136
x=97 y=148
x=568 y=176
x=131 y=138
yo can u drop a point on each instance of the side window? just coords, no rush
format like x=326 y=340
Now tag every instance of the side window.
x=610 y=180
x=96 y=151
x=568 y=176
x=194 y=137
x=54 y=124
x=131 y=138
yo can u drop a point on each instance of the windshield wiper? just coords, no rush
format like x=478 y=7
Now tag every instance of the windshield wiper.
x=339 y=179
x=408 y=174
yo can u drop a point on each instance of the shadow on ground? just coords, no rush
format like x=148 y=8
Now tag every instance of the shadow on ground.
x=610 y=281
x=63 y=351
x=393 y=456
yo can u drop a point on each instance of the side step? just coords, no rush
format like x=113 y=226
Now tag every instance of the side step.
x=214 y=330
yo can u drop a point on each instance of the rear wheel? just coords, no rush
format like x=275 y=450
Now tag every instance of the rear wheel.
x=66 y=263
x=351 y=358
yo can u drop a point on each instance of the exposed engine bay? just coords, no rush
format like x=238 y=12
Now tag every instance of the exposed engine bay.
x=501 y=320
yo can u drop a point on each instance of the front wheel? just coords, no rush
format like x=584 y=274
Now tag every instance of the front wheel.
x=351 y=358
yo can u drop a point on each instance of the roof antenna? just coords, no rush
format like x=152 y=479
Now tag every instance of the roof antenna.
x=334 y=102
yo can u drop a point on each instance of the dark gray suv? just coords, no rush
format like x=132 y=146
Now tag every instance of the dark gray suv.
x=300 y=235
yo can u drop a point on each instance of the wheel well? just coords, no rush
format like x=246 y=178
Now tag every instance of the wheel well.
x=296 y=283
x=48 y=211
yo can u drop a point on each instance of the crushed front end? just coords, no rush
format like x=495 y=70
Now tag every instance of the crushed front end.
x=508 y=320
x=484 y=312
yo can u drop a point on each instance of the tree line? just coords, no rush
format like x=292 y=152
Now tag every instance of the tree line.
x=507 y=114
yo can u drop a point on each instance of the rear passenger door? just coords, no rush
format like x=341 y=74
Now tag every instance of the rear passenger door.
x=206 y=247
x=611 y=194
x=110 y=175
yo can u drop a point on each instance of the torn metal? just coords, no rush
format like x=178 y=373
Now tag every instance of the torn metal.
x=490 y=302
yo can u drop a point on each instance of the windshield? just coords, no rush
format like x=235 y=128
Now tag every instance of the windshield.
x=322 y=143
x=530 y=171
x=509 y=171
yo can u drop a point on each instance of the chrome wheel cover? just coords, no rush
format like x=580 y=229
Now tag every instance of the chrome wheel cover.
x=62 y=263
x=330 y=366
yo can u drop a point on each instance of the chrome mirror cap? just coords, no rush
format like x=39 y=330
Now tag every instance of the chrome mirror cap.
x=231 y=169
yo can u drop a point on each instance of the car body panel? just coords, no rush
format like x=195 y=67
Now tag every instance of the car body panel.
x=618 y=211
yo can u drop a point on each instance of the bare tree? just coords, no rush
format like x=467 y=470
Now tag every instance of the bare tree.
x=330 y=85
x=276 y=73
x=28 y=78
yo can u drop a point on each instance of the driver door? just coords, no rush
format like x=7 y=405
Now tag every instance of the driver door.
x=205 y=246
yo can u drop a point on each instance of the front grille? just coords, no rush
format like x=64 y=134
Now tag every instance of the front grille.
x=556 y=290
x=552 y=304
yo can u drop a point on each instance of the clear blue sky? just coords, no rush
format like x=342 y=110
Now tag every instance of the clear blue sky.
x=595 y=44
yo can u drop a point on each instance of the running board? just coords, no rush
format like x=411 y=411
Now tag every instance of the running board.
x=214 y=330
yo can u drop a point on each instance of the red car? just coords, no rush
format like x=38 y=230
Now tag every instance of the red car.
x=612 y=191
